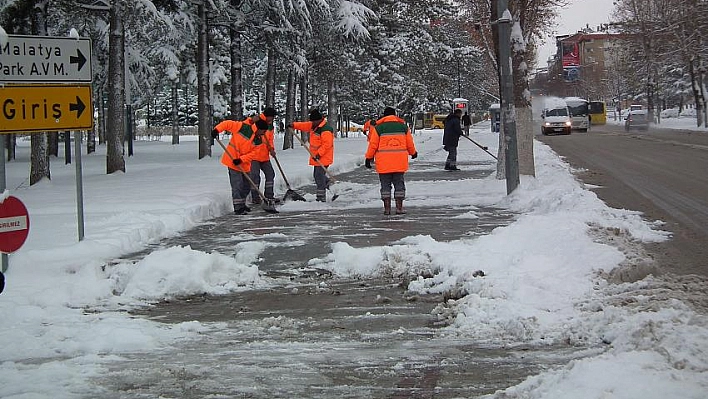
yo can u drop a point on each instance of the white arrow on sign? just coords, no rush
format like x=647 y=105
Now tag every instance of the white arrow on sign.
x=45 y=59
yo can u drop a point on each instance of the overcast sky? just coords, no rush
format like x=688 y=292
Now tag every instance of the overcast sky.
x=573 y=18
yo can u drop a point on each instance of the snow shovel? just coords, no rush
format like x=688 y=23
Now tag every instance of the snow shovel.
x=291 y=194
x=485 y=148
x=268 y=205
x=331 y=177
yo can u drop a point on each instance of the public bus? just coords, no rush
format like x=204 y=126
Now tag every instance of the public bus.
x=579 y=112
x=598 y=112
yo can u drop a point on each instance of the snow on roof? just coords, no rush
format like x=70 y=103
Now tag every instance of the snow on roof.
x=554 y=102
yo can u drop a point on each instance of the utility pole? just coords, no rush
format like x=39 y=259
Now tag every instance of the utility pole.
x=459 y=85
x=511 y=152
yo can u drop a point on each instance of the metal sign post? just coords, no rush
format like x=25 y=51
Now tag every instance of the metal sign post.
x=79 y=184
x=5 y=258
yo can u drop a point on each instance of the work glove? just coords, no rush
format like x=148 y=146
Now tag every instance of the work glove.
x=414 y=156
x=237 y=161
x=215 y=134
x=316 y=157
x=272 y=153
x=367 y=163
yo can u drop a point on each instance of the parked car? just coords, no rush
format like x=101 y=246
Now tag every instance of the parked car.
x=439 y=121
x=636 y=119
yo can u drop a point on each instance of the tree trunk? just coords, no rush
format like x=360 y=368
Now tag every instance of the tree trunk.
x=236 y=75
x=39 y=168
x=332 y=114
x=304 y=106
x=270 y=78
x=289 y=109
x=101 y=119
x=10 y=145
x=524 y=112
x=91 y=135
x=115 y=122
x=175 y=114
x=203 y=103
x=53 y=144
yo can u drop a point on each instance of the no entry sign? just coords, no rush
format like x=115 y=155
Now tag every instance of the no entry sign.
x=14 y=224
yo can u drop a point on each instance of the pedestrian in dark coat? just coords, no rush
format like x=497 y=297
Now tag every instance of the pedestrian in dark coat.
x=466 y=122
x=451 y=138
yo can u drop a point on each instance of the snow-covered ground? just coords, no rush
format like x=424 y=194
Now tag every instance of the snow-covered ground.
x=62 y=312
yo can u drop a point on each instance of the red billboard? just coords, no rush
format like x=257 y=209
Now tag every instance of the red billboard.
x=571 y=54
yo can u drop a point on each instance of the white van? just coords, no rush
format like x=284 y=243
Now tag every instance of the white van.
x=556 y=118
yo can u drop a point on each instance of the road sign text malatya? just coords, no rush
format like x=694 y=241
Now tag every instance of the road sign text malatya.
x=45 y=59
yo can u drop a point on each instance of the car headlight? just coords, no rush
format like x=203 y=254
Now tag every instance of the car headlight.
x=547 y=124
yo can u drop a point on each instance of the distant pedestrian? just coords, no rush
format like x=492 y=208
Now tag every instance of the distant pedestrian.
x=321 y=149
x=390 y=144
x=261 y=159
x=466 y=122
x=451 y=138
x=238 y=156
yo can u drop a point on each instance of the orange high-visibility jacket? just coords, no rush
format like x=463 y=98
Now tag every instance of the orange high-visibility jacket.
x=321 y=141
x=367 y=128
x=390 y=143
x=262 y=151
x=242 y=144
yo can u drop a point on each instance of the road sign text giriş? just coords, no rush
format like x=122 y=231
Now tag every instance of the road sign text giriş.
x=29 y=111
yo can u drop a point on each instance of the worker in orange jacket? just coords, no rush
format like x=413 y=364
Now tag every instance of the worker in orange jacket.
x=238 y=156
x=261 y=160
x=321 y=149
x=367 y=128
x=390 y=145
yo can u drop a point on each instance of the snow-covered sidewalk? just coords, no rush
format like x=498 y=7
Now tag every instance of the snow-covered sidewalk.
x=63 y=307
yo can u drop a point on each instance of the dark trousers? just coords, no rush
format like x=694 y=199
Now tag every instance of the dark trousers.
x=451 y=156
x=239 y=188
x=321 y=181
x=392 y=179
x=267 y=168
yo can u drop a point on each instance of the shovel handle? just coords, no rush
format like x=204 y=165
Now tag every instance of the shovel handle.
x=240 y=169
x=280 y=168
x=310 y=152
x=480 y=146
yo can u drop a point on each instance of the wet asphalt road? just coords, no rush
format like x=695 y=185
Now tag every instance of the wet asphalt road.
x=315 y=335
x=660 y=172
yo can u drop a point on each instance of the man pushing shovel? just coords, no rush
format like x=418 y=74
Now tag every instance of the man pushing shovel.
x=237 y=158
